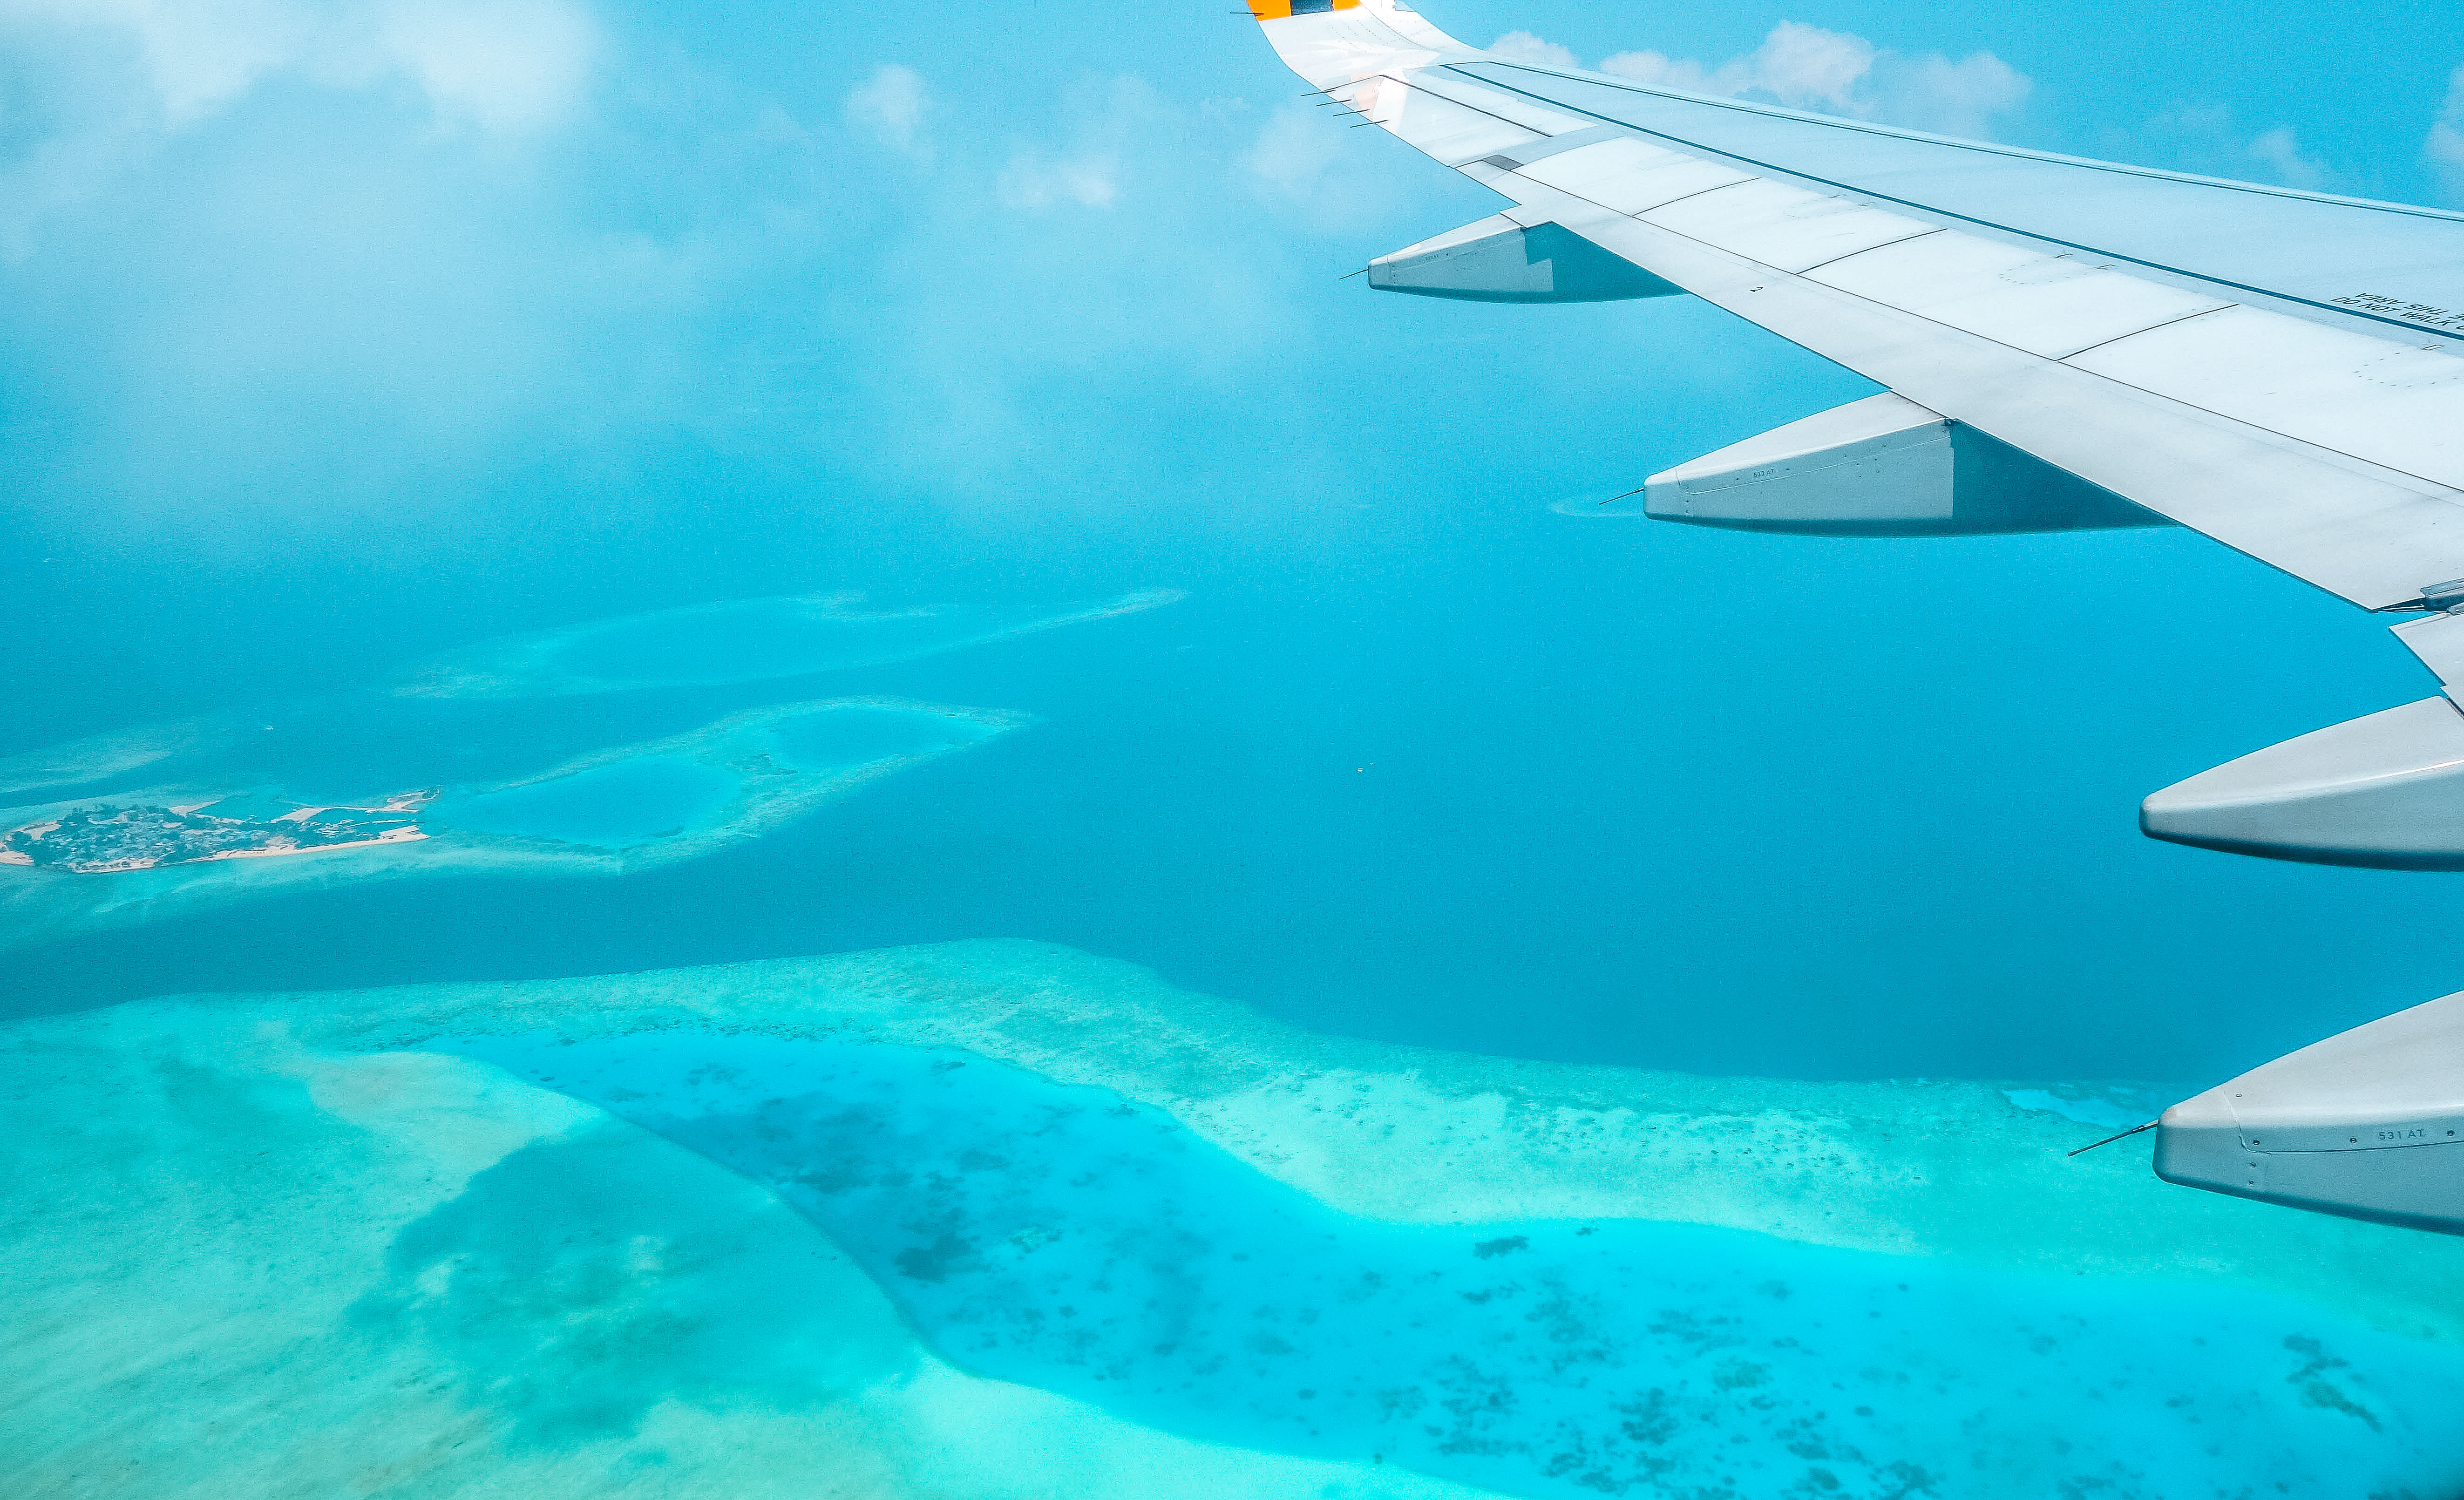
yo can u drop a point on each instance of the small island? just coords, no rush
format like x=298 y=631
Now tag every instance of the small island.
x=108 y=840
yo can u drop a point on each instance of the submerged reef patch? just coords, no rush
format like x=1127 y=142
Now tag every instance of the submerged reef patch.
x=1944 y=1169
x=1068 y=1238
x=739 y=640
x=1540 y=1280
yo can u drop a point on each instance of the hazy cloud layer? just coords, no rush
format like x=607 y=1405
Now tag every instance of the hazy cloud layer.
x=1837 y=73
x=273 y=260
x=2279 y=152
x=502 y=65
x=99 y=85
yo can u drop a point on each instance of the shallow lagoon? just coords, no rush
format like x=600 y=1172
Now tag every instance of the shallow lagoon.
x=625 y=803
x=653 y=1226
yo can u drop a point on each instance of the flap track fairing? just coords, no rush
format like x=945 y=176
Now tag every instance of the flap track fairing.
x=2385 y=790
x=1497 y=260
x=1883 y=467
x=2368 y=1124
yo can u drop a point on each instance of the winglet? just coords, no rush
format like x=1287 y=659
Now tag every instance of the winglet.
x=1334 y=43
x=1285 y=10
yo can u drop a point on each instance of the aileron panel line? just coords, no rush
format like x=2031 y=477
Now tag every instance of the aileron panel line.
x=1783 y=226
x=2399 y=407
x=1605 y=161
x=2048 y=304
x=1645 y=192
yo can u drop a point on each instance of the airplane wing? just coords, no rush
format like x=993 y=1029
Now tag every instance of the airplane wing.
x=2067 y=342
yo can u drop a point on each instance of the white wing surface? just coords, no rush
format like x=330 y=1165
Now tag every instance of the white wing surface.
x=2278 y=369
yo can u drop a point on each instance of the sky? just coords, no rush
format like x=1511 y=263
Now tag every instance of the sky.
x=333 y=336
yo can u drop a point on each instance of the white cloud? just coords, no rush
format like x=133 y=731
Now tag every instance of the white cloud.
x=1298 y=164
x=196 y=57
x=2280 y=154
x=1293 y=154
x=2203 y=139
x=1951 y=99
x=1108 y=122
x=507 y=66
x=891 y=105
x=1662 y=71
x=1034 y=180
x=2445 y=147
x=1805 y=67
x=1524 y=47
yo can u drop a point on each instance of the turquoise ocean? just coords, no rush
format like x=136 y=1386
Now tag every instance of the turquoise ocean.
x=1040 y=852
